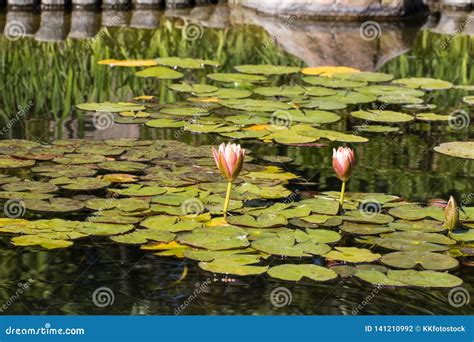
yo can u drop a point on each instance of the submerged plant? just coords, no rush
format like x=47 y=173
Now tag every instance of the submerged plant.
x=343 y=161
x=229 y=160
x=451 y=214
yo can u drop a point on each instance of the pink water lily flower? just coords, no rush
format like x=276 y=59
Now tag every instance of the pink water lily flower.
x=229 y=160
x=343 y=162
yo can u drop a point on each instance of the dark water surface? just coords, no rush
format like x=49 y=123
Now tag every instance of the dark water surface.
x=58 y=74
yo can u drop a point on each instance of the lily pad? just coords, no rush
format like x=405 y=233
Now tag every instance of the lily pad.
x=298 y=272
x=410 y=278
x=460 y=149
x=110 y=107
x=352 y=254
x=236 y=78
x=382 y=116
x=427 y=260
x=266 y=69
x=160 y=73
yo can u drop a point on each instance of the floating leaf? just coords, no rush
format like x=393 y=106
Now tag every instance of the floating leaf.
x=427 y=260
x=236 y=78
x=110 y=107
x=410 y=278
x=297 y=272
x=382 y=116
x=352 y=254
x=216 y=238
x=424 y=83
x=160 y=72
x=460 y=149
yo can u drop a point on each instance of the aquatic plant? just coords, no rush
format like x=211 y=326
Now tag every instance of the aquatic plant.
x=343 y=162
x=451 y=214
x=229 y=160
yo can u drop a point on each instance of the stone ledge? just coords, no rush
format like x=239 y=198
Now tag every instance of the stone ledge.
x=346 y=9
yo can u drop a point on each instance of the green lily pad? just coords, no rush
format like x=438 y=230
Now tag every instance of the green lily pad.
x=28 y=185
x=54 y=171
x=125 y=204
x=469 y=100
x=143 y=236
x=253 y=105
x=432 y=117
x=366 y=217
x=427 y=260
x=352 y=254
x=266 y=69
x=230 y=266
x=424 y=83
x=365 y=76
x=426 y=226
x=121 y=166
x=32 y=240
x=110 y=107
x=382 y=116
x=236 y=78
x=139 y=190
x=400 y=99
x=279 y=91
x=104 y=229
x=298 y=272
x=323 y=235
x=416 y=212
x=81 y=183
x=14 y=163
x=389 y=90
x=287 y=246
x=165 y=123
x=216 y=238
x=262 y=221
x=319 y=91
x=193 y=88
x=410 y=278
x=376 y=129
x=463 y=235
x=364 y=229
x=460 y=149
x=333 y=82
x=185 y=111
x=54 y=205
x=186 y=63
x=160 y=73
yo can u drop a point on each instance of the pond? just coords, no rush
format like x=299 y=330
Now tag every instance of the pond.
x=89 y=257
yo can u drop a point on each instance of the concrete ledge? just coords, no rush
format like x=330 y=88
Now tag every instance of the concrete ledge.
x=349 y=9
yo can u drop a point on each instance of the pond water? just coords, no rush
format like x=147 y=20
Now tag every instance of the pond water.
x=56 y=76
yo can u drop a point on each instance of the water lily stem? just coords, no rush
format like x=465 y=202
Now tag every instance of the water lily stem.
x=227 y=198
x=343 y=189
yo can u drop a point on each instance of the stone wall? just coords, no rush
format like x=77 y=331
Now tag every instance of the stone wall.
x=348 y=9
